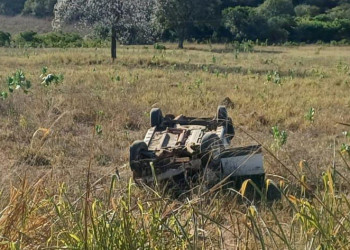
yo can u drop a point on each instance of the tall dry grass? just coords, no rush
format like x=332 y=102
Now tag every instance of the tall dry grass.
x=48 y=149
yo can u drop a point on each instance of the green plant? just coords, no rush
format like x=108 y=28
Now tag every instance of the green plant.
x=244 y=46
x=279 y=136
x=345 y=149
x=5 y=38
x=310 y=115
x=15 y=82
x=28 y=38
x=48 y=79
x=158 y=46
x=274 y=77
x=3 y=95
x=98 y=129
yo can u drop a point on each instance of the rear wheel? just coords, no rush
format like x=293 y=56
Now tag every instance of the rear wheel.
x=211 y=148
x=272 y=192
x=230 y=130
x=222 y=117
x=156 y=117
x=136 y=156
x=221 y=113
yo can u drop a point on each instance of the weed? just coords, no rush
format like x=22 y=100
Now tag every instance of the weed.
x=279 y=136
x=310 y=115
x=98 y=129
x=15 y=82
x=345 y=149
x=48 y=79
x=158 y=46
x=213 y=59
x=274 y=77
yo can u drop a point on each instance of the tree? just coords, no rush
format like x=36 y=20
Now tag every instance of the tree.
x=245 y=23
x=39 y=8
x=272 y=8
x=181 y=16
x=11 y=7
x=306 y=10
x=120 y=16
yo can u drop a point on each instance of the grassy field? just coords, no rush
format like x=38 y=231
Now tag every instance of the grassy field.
x=16 y=24
x=49 y=145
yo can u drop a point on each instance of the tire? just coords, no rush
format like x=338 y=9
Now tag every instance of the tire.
x=221 y=113
x=230 y=133
x=222 y=117
x=211 y=147
x=136 y=155
x=156 y=117
x=273 y=193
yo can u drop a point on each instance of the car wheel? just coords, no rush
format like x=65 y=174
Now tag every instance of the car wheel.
x=272 y=192
x=230 y=130
x=221 y=113
x=156 y=117
x=211 y=148
x=135 y=156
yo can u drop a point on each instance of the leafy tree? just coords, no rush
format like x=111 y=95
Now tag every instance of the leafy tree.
x=341 y=12
x=272 y=8
x=233 y=3
x=182 y=16
x=322 y=28
x=11 y=7
x=324 y=4
x=5 y=38
x=39 y=8
x=122 y=17
x=245 y=23
x=279 y=28
x=306 y=10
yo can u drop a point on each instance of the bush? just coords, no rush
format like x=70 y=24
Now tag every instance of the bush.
x=321 y=28
x=5 y=38
x=49 y=40
x=245 y=23
x=306 y=10
x=158 y=46
x=27 y=38
x=39 y=8
x=61 y=40
x=272 y=8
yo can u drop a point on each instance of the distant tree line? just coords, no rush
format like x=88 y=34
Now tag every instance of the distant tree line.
x=38 y=8
x=146 y=21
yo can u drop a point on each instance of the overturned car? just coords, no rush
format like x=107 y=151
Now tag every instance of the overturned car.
x=194 y=149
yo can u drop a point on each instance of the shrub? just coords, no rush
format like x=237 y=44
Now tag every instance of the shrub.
x=61 y=40
x=15 y=82
x=51 y=40
x=27 y=38
x=158 y=46
x=5 y=38
x=39 y=8
x=306 y=10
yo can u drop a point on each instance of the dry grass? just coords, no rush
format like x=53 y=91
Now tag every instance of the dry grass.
x=192 y=81
x=17 y=24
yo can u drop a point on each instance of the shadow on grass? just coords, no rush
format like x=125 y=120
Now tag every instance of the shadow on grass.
x=232 y=50
x=217 y=69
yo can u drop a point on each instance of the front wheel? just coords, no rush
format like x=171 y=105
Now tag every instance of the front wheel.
x=136 y=156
